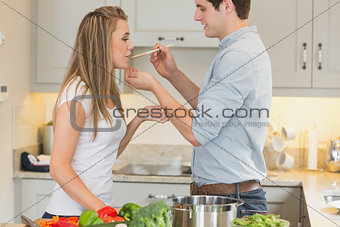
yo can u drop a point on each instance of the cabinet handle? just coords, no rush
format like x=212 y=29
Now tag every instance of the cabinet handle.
x=160 y=38
x=320 y=56
x=304 y=56
x=152 y=196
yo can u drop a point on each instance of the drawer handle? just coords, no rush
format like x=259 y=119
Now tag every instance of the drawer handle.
x=304 y=56
x=320 y=56
x=152 y=196
x=160 y=38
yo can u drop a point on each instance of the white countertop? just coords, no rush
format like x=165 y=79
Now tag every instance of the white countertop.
x=11 y=225
x=313 y=183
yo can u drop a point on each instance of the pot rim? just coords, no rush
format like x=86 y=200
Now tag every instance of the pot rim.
x=236 y=202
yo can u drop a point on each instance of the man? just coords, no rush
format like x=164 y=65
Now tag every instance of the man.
x=229 y=123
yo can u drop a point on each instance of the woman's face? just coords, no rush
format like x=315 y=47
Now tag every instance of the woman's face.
x=121 y=45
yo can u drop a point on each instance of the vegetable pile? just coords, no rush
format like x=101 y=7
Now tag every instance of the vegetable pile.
x=155 y=214
x=88 y=217
x=259 y=220
x=57 y=222
x=104 y=215
x=128 y=211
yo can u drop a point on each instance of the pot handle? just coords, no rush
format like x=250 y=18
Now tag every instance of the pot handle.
x=240 y=202
x=173 y=208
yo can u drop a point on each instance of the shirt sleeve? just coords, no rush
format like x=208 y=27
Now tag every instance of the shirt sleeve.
x=74 y=91
x=230 y=84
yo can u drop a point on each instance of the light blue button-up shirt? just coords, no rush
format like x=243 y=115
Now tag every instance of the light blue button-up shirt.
x=232 y=114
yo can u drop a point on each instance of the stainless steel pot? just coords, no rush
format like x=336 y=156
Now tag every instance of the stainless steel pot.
x=203 y=211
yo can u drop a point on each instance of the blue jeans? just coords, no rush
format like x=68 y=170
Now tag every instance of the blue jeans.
x=254 y=202
x=49 y=216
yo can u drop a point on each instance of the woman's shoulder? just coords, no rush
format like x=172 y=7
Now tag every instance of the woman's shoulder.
x=75 y=89
x=76 y=86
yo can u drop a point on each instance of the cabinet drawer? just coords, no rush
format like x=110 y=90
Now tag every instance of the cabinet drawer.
x=140 y=193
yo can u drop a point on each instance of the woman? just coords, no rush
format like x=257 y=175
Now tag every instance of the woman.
x=88 y=136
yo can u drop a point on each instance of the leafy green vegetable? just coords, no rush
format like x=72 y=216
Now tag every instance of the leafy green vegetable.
x=260 y=220
x=155 y=214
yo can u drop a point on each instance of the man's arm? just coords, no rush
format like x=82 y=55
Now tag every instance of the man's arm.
x=170 y=105
x=185 y=87
x=179 y=116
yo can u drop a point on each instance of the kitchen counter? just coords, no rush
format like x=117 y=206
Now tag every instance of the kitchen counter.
x=11 y=225
x=313 y=183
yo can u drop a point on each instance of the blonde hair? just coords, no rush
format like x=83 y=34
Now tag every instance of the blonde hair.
x=91 y=60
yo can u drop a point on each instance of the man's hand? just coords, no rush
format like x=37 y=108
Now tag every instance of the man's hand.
x=139 y=80
x=163 y=61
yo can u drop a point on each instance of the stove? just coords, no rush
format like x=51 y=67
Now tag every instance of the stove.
x=155 y=170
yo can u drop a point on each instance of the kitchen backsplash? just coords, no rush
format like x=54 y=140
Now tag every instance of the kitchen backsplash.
x=302 y=113
x=28 y=117
x=156 y=154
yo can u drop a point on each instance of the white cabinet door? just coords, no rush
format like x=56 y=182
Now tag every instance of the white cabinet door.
x=144 y=193
x=35 y=195
x=326 y=45
x=165 y=21
x=284 y=201
x=58 y=22
x=277 y=24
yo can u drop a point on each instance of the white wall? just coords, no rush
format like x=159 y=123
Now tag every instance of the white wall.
x=14 y=71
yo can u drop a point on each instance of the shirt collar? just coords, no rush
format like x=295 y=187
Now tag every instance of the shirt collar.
x=229 y=39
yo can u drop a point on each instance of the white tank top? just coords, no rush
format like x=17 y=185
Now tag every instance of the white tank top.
x=93 y=160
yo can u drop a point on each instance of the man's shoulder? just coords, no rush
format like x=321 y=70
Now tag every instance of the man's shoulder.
x=249 y=43
x=234 y=55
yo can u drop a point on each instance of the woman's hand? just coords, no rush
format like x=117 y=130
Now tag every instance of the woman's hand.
x=140 y=80
x=152 y=113
x=148 y=113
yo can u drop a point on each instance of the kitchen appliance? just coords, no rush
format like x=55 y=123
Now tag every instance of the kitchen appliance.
x=332 y=198
x=47 y=138
x=333 y=156
x=202 y=211
x=331 y=195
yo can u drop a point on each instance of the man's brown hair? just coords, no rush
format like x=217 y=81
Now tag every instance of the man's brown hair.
x=242 y=7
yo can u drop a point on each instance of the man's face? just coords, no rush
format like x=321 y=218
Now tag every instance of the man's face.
x=212 y=20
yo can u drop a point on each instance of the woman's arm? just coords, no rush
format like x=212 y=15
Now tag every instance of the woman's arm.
x=150 y=113
x=64 y=145
x=130 y=131
x=183 y=122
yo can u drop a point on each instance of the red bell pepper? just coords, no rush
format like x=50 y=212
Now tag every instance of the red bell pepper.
x=63 y=223
x=118 y=219
x=107 y=211
x=109 y=219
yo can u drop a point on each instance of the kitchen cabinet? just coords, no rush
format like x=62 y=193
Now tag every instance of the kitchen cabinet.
x=326 y=45
x=286 y=202
x=165 y=21
x=303 y=52
x=53 y=38
x=32 y=197
x=144 y=193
